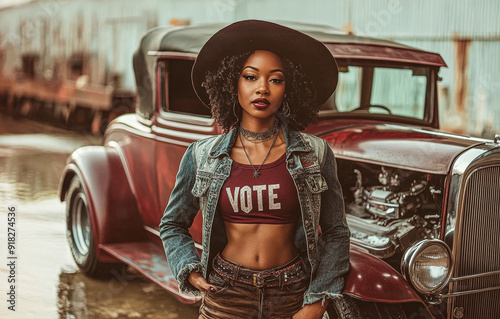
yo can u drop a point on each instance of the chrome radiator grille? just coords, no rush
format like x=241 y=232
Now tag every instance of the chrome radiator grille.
x=477 y=249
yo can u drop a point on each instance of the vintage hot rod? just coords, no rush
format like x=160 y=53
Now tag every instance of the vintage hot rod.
x=423 y=206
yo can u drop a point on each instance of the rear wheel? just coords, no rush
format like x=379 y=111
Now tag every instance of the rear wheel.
x=80 y=234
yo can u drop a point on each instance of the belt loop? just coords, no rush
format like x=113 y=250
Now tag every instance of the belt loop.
x=235 y=275
x=214 y=260
x=281 y=280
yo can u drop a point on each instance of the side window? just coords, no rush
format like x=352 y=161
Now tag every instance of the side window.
x=403 y=91
x=179 y=95
x=347 y=95
x=348 y=92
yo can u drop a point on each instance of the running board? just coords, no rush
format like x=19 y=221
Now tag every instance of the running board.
x=150 y=261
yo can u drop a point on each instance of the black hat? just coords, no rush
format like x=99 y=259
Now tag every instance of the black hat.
x=249 y=35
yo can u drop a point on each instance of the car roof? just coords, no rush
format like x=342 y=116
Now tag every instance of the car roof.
x=188 y=40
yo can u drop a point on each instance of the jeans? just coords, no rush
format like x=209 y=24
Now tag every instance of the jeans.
x=235 y=299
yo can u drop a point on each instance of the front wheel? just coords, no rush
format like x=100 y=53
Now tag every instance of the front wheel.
x=80 y=234
x=351 y=308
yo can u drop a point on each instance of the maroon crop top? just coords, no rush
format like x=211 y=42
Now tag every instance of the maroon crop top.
x=270 y=198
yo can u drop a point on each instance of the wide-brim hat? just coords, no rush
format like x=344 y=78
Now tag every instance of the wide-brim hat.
x=316 y=60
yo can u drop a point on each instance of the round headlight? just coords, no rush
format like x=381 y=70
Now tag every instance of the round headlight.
x=427 y=265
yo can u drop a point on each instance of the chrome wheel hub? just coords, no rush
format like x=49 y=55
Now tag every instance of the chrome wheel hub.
x=80 y=224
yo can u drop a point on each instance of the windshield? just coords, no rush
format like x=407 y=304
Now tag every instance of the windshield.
x=382 y=90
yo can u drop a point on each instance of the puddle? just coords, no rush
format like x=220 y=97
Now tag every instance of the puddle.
x=48 y=283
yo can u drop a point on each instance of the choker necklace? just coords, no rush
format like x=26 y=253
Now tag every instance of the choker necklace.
x=256 y=172
x=259 y=137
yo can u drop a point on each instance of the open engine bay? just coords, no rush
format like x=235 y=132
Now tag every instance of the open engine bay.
x=389 y=209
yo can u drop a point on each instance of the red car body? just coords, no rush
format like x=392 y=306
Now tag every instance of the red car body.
x=124 y=185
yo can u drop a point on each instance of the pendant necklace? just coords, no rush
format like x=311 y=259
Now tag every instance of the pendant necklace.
x=256 y=172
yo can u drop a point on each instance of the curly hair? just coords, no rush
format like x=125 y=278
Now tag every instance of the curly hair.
x=222 y=89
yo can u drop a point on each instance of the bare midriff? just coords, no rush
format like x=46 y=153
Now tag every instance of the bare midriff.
x=260 y=246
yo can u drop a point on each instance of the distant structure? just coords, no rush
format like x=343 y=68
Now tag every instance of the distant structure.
x=80 y=52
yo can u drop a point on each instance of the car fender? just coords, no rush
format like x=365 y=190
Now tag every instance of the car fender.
x=112 y=205
x=372 y=279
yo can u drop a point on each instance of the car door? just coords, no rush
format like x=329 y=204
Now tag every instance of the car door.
x=181 y=119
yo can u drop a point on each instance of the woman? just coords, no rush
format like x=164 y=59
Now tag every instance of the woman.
x=263 y=187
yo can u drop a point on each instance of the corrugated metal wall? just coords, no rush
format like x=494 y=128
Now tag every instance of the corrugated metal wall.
x=466 y=33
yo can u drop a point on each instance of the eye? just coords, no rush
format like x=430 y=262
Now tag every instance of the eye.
x=277 y=81
x=249 y=77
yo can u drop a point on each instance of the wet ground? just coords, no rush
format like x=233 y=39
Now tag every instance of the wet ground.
x=48 y=283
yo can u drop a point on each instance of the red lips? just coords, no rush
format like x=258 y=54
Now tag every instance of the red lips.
x=260 y=103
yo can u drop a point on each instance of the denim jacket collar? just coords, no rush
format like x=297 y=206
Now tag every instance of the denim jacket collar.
x=293 y=139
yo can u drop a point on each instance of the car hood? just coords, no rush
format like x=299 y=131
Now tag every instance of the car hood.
x=407 y=147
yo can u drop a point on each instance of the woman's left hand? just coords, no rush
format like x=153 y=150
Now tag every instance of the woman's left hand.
x=311 y=311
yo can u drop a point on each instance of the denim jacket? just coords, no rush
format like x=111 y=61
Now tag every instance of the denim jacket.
x=203 y=170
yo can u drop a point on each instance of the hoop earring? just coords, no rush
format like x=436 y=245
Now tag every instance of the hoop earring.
x=234 y=109
x=285 y=108
x=234 y=112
